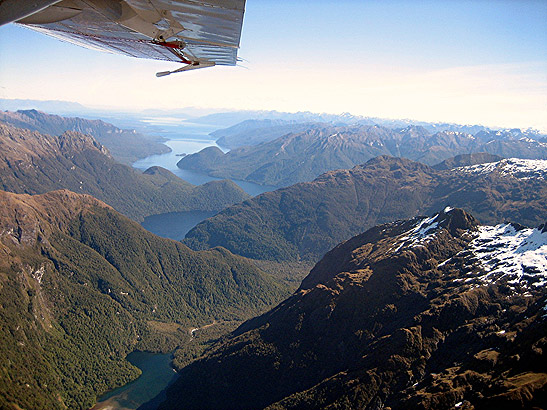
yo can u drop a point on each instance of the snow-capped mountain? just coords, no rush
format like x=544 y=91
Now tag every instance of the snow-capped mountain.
x=429 y=313
x=518 y=168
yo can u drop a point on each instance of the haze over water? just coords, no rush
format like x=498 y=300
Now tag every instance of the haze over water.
x=185 y=137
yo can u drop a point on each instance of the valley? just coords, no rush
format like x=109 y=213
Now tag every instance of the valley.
x=320 y=293
x=303 y=221
x=412 y=314
x=273 y=205
x=307 y=151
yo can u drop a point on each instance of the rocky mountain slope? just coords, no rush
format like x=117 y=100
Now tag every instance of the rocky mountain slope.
x=35 y=163
x=81 y=286
x=306 y=220
x=125 y=145
x=302 y=156
x=428 y=313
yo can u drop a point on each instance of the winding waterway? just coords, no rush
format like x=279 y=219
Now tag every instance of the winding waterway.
x=188 y=138
x=147 y=392
x=184 y=138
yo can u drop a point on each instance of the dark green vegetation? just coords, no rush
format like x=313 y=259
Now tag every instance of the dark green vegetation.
x=35 y=163
x=307 y=219
x=125 y=145
x=302 y=156
x=81 y=286
x=157 y=373
x=396 y=318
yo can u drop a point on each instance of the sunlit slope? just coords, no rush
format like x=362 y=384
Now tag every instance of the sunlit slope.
x=125 y=145
x=305 y=220
x=432 y=313
x=36 y=163
x=301 y=156
x=81 y=286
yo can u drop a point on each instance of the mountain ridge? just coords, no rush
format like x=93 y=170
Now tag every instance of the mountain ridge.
x=125 y=145
x=399 y=316
x=302 y=156
x=36 y=163
x=305 y=220
x=82 y=286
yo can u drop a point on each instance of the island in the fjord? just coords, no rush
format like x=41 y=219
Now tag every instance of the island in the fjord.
x=435 y=312
x=303 y=154
x=35 y=163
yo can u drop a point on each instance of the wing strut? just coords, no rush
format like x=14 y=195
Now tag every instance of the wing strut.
x=177 y=47
x=193 y=66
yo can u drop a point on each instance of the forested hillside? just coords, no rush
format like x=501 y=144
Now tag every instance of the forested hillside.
x=81 y=286
x=305 y=220
x=35 y=163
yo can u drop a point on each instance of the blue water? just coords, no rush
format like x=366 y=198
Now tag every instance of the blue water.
x=174 y=225
x=188 y=138
x=157 y=375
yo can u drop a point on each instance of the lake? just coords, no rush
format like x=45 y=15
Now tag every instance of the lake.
x=184 y=137
x=146 y=391
x=174 y=225
x=188 y=138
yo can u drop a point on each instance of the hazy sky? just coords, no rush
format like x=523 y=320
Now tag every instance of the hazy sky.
x=481 y=62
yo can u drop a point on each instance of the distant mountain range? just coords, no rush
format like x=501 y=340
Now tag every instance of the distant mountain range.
x=81 y=286
x=125 y=145
x=34 y=163
x=301 y=156
x=254 y=132
x=430 y=313
x=305 y=220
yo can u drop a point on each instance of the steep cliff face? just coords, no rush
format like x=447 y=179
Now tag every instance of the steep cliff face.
x=35 y=163
x=427 y=313
x=81 y=286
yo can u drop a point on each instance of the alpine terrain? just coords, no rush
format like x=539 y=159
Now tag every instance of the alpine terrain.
x=433 y=312
x=305 y=220
x=81 y=286
x=35 y=163
x=301 y=156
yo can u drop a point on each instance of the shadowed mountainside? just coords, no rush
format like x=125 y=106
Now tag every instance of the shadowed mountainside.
x=305 y=220
x=428 y=313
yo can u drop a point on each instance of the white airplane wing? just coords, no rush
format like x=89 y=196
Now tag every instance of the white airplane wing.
x=198 y=33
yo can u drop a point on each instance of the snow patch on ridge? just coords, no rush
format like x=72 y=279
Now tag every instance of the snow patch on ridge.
x=518 y=168
x=422 y=233
x=518 y=255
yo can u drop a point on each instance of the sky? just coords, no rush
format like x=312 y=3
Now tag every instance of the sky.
x=468 y=62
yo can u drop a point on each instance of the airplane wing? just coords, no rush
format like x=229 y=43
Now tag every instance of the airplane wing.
x=197 y=33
